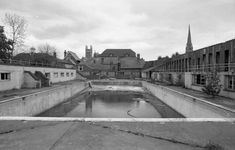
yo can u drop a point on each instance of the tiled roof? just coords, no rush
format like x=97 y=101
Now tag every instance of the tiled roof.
x=131 y=63
x=74 y=55
x=34 y=56
x=64 y=61
x=95 y=66
x=39 y=57
x=148 y=64
x=149 y=69
x=118 y=53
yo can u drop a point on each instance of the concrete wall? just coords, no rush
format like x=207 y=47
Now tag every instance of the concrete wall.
x=36 y=103
x=144 y=75
x=176 y=78
x=186 y=80
x=117 y=82
x=17 y=75
x=30 y=82
x=187 y=105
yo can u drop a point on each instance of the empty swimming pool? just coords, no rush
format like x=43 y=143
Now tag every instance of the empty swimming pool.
x=112 y=104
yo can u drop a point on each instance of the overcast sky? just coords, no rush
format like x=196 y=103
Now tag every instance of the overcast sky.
x=150 y=27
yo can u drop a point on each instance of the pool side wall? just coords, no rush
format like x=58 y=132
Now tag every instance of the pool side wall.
x=32 y=104
x=189 y=106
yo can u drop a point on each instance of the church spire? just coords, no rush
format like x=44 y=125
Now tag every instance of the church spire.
x=189 y=45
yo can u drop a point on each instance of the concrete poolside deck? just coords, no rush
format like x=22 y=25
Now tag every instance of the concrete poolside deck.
x=77 y=134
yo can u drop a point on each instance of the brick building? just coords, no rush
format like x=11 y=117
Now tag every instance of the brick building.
x=118 y=63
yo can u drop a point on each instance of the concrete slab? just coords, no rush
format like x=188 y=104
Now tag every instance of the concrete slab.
x=115 y=135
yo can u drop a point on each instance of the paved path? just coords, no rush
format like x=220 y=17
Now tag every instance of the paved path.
x=38 y=135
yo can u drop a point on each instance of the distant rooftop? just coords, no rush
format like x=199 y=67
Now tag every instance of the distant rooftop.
x=118 y=53
x=74 y=55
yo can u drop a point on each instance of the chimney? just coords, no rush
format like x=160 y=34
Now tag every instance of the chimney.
x=65 y=53
x=54 y=54
x=138 y=56
x=32 y=50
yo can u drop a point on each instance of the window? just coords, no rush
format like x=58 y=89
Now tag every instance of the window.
x=189 y=62
x=186 y=64
x=230 y=82
x=67 y=74
x=62 y=74
x=204 y=59
x=47 y=75
x=199 y=79
x=226 y=59
x=55 y=74
x=80 y=68
x=5 y=76
x=210 y=58
x=198 y=63
x=71 y=74
x=102 y=60
x=217 y=60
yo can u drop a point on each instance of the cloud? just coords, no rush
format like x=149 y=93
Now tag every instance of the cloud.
x=150 y=27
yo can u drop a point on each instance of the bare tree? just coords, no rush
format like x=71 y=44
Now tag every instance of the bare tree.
x=46 y=48
x=17 y=25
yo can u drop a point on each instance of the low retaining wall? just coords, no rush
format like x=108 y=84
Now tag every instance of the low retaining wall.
x=117 y=82
x=32 y=104
x=189 y=106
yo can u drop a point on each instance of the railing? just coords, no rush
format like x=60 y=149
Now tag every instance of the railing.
x=30 y=63
x=225 y=67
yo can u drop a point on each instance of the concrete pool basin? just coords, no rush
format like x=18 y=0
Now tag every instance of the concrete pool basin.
x=186 y=105
x=112 y=104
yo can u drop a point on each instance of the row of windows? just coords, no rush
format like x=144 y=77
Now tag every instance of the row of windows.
x=205 y=61
x=7 y=76
x=62 y=74
x=199 y=79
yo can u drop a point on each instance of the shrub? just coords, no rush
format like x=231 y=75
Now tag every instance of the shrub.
x=213 y=85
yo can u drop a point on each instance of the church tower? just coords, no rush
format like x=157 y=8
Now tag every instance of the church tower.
x=189 y=45
x=88 y=52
